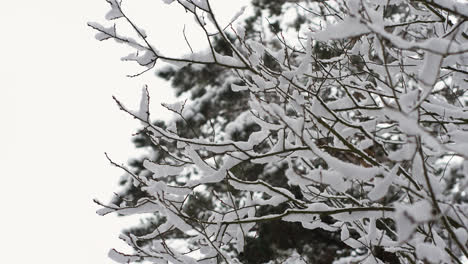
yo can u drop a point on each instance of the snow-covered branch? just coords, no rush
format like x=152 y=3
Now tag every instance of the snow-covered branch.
x=361 y=112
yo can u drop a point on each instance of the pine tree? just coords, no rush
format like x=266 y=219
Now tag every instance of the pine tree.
x=217 y=106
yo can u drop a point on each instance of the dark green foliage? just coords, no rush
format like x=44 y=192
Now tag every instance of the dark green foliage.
x=186 y=78
x=317 y=245
x=218 y=105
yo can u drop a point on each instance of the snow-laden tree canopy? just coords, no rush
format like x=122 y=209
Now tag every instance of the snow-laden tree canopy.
x=367 y=133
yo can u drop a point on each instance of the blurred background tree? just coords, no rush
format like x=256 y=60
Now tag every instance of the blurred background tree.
x=216 y=111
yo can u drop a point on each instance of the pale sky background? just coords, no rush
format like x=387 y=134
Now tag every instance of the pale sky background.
x=58 y=118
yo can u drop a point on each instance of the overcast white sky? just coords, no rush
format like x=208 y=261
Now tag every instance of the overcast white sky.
x=58 y=118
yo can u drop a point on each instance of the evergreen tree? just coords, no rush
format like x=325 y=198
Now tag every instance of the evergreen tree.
x=216 y=107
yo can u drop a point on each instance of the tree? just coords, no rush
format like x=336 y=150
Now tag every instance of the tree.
x=349 y=130
x=219 y=109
